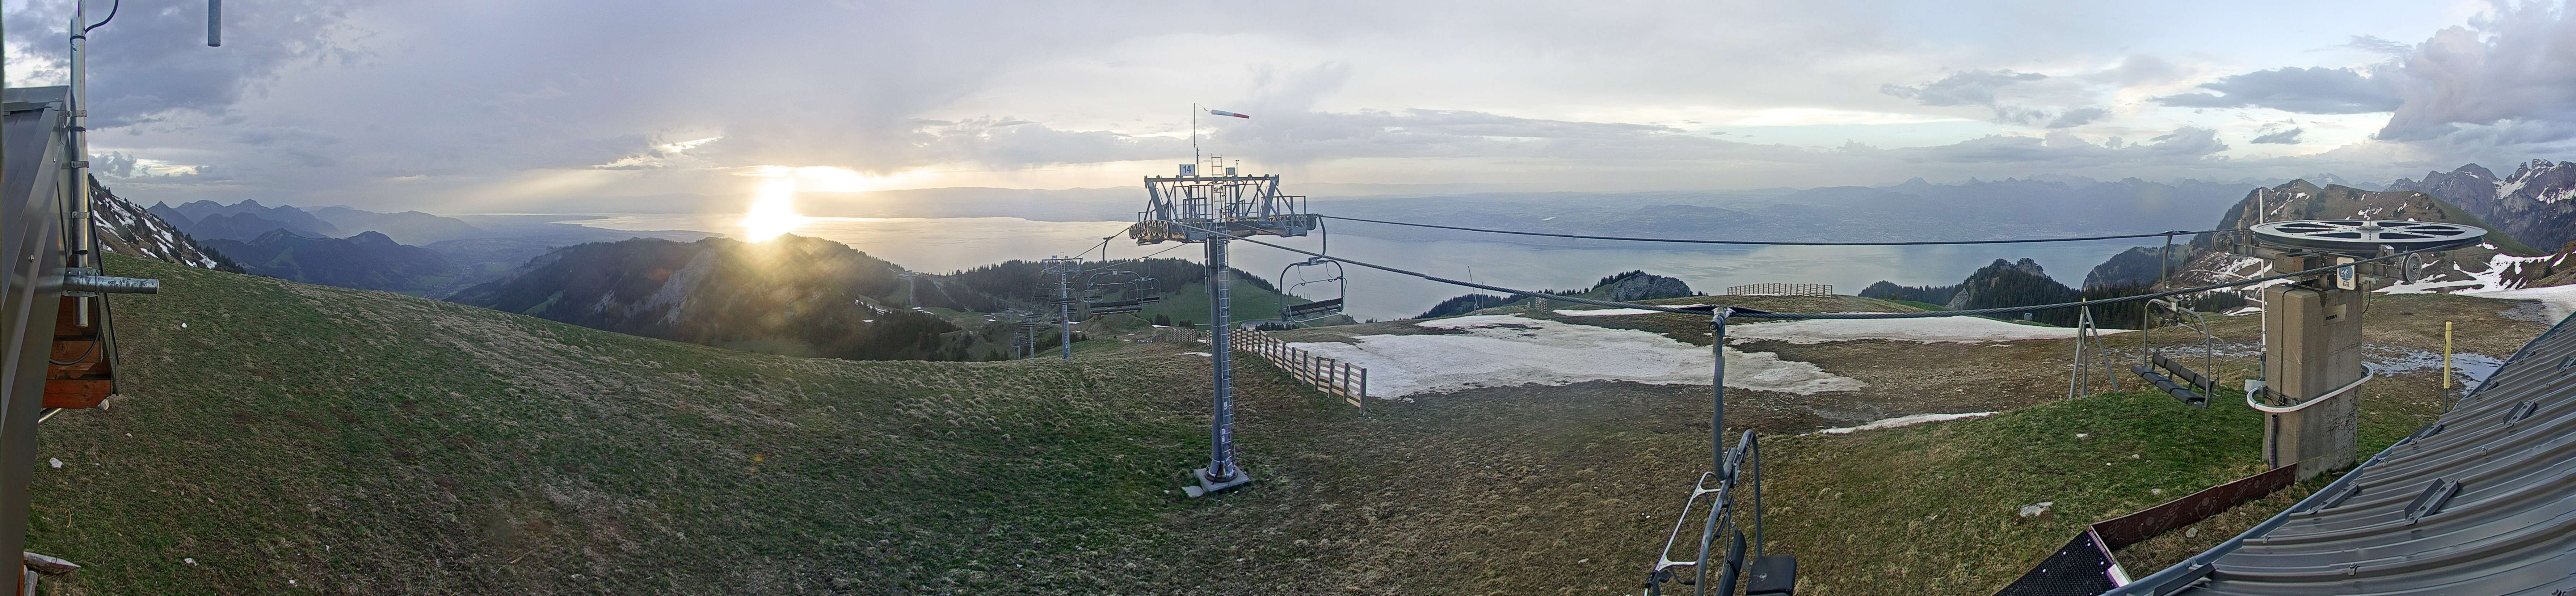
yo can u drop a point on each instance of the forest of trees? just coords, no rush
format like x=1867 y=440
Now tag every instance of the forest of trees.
x=1016 y=284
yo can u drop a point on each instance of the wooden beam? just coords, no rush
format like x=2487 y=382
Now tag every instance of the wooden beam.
x=77 y=393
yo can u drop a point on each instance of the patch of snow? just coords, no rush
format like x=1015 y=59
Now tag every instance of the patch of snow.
x=2491 y=279
x=1902 y=421
x=1931 y=330
x=1510 y=350
x=1612 y=312
x=2471 y=368
x=1204 y=354
x=2509 y=186
x=2558 y=301
x=2034 y=509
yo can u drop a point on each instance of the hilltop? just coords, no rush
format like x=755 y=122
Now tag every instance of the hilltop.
x=357 y=441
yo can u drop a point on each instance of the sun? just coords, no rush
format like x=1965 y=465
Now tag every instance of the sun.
x=773 y=211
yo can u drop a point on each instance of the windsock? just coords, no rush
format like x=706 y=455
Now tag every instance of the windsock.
x=1226 y=113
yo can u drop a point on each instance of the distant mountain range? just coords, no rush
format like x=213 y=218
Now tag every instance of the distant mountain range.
x=409 y=252
x=2531 y=204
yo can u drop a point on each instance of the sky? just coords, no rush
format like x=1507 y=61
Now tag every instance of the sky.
x=493 y=106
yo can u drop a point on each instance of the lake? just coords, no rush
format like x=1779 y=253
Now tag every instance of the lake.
x=948 y=244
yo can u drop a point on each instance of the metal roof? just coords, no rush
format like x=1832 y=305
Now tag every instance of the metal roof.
x=2482 y=501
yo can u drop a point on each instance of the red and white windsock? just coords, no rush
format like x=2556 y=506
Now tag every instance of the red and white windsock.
x=1226 y=113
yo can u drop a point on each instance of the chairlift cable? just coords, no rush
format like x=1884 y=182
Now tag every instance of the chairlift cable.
x=1784 y=243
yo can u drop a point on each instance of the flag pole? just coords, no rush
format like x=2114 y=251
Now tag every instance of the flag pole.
x=1194 y=134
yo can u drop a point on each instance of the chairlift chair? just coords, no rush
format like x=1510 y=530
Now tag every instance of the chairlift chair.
x=1315 y=309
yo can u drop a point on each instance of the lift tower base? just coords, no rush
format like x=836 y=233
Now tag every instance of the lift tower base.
x=2312 y=368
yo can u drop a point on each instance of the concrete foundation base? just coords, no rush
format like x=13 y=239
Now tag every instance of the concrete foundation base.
x=1207 y=487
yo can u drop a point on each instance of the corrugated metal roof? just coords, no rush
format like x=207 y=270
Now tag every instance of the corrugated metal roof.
x=2483 y=501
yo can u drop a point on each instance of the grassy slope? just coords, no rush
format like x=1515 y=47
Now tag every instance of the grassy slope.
x=367 y=442
x=364 y=442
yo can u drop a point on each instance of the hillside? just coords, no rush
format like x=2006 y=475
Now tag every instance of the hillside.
x=139 y=232
x=353 y=441
x=366 y=261
x=790 y=295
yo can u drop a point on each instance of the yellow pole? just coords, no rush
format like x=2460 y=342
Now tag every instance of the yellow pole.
x=2446 y=355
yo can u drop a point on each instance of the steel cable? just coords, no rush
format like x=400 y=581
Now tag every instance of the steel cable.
x=1779 y=243
x=1827 y=315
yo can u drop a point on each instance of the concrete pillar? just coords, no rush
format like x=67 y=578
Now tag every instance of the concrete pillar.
x=2315 y=348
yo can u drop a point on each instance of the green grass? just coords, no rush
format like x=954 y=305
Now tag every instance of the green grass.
x=367 y=442
x=1191 y=304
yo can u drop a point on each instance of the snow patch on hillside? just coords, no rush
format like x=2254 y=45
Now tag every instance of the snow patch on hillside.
x=1612 y=312
x=1902 y=421
x=1509 y=350
x=2558 y=301
x=1931 y=330
x=2488 y=280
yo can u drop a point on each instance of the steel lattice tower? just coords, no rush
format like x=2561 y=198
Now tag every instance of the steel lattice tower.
x=1213 y=209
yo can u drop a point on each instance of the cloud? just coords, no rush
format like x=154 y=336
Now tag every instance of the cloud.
x=2506 y=78
x=2060 y=150
x=1987 y=88
x=2280 y=137
x=1963 y=88
x=149 y=63
x=2377 y=45
x=2078 y=117
x=2315 y=90
x=114 y=164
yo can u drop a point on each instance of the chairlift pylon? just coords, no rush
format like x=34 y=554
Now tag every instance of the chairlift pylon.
x=1314 y=309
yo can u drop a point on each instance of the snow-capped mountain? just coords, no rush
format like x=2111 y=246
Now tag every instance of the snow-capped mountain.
x=135 y=232
x=2531 y=204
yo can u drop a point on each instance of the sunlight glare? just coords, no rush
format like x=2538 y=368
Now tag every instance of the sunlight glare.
x=773 y=211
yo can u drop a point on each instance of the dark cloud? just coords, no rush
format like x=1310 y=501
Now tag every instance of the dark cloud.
x=152 y=61
x=2505 y=79
x=2378 y=45
x=2281 y=137
x=2302 y=90
x=1963 y=88
x=2078 y=117
x=1984 y=88
x=114 y=164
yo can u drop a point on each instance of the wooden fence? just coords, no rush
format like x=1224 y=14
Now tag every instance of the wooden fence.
x=1325 y=374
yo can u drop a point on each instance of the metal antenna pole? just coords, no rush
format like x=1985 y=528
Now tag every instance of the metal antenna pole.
x=1717 y=390
x=1221 y=350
